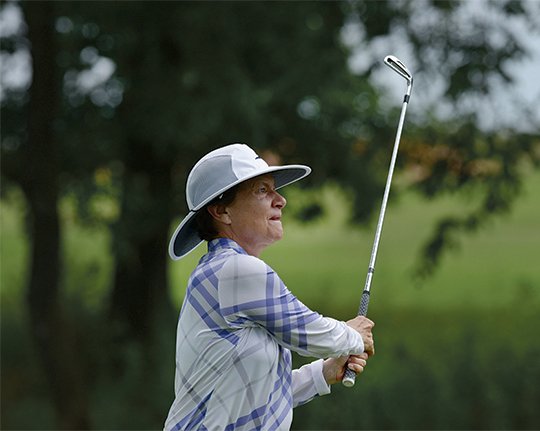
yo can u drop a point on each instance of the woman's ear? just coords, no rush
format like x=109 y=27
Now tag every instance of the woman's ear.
x=219 y=213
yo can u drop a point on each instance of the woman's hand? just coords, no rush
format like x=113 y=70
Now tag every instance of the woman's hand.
x=334 y=368
x=364 y=326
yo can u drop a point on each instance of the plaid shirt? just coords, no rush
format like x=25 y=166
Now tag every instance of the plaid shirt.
x=237 y=326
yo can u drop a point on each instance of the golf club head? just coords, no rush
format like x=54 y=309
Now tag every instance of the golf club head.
x=394 y=63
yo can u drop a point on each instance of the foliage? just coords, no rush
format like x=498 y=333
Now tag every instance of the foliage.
x=469 y=381
x=469 y=160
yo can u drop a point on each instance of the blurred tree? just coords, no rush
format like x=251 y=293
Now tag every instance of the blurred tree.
x=466 y=50
x=224 y=88
x=466 y=159
x=145 y=88
x=38 y=177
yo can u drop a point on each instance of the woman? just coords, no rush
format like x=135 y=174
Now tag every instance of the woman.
x=239 y=322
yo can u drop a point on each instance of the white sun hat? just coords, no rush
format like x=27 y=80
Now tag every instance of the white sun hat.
x=216 y=173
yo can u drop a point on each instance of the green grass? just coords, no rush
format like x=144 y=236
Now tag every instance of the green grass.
x=13 y=253
x=87 y=265
x=325 y=263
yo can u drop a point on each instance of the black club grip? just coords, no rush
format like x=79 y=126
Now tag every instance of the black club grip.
x=364 y=303
x=350 y=376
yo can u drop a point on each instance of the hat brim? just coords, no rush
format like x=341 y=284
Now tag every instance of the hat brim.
x=186 y=239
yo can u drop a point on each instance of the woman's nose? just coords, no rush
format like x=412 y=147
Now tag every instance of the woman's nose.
x=279 y=201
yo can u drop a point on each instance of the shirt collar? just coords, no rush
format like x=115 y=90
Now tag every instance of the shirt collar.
x=221 y=244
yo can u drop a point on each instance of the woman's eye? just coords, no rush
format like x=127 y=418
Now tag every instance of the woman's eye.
x=263 y=189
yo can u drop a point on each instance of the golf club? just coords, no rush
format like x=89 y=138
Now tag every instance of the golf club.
x=399 y=67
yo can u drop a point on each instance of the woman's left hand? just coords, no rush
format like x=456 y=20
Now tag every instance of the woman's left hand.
x=334 y=368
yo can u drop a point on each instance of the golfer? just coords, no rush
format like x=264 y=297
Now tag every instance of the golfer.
x=239 y=322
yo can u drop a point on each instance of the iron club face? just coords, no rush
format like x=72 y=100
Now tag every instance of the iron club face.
x=395 y=64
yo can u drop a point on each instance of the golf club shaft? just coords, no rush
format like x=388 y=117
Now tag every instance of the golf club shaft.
x=350 y=376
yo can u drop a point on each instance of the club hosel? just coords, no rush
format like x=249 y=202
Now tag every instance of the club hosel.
x=369 y=276
x=409 y=90
x=407 y=96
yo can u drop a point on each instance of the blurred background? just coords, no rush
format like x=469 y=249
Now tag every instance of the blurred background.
x=107 y=105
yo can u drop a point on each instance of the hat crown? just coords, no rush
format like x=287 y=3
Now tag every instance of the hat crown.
x=218 y=170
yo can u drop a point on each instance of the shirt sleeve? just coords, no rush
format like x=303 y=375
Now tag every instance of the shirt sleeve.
x=308 y=382
x=252 y=294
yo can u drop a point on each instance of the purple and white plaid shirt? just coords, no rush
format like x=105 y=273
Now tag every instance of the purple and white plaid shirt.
x=237 y=326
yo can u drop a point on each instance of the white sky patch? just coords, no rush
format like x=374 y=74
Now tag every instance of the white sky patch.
x=101 y=70
x=15 y=71
x=10 y=20
x=16 y=67
x=508 y=104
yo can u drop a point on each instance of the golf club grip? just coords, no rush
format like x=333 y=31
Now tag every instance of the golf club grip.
x=350 y=376
x=364 y=303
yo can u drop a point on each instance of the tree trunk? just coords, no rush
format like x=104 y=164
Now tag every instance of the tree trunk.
x=141 y=237
x=141 y=234
x=40 y=184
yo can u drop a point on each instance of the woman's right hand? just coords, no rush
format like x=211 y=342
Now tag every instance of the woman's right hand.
x=363 y=326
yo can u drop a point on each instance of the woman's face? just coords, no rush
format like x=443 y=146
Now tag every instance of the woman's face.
x=255 y=214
